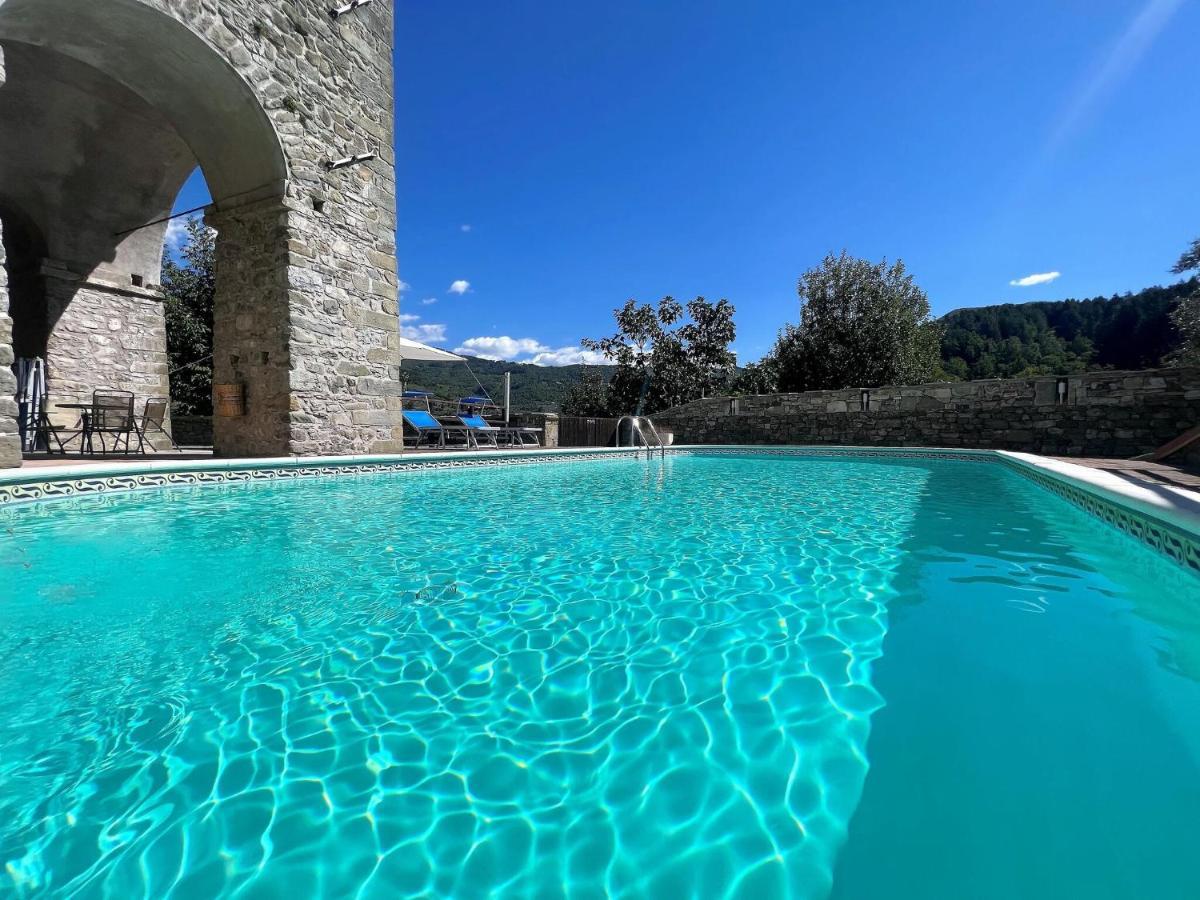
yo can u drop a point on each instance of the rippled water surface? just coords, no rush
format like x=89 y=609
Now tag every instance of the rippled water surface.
x=704 y=676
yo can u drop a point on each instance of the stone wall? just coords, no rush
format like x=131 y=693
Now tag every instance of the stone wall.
x=10 y=441
x=123 y=98
x=192 y=431
x=548 y=422
x=1114 y=414
x=103 y=336
x=1188 y=457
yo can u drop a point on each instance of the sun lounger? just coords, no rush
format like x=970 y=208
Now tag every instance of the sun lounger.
x=496 y=435
x=430 y=431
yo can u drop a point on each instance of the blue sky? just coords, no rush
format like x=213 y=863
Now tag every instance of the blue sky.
x=555 y=159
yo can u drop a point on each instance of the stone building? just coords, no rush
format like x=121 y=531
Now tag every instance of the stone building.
x=106 y=107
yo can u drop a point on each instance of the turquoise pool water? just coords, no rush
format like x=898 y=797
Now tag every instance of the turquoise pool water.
x=704 y=676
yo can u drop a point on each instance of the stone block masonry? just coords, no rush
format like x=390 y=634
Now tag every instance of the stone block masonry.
x=10 y=441
x=104 y=336
x=124 y=99
x=1104 y=414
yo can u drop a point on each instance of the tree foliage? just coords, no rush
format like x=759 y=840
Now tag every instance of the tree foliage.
x=761 y=377
x=862 y=324
x=667 y=355
x=588 y=396
x=1186 y=314
x=1063 y=337
x=188 y=287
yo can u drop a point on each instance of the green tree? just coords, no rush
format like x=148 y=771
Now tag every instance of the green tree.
x=862 y=324
x=761 y=377
x=588 y=396
x=667 y=355
x=1186 y=314
x=188 y=287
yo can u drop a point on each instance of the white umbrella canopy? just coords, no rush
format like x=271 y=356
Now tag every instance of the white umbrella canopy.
x=417 y=350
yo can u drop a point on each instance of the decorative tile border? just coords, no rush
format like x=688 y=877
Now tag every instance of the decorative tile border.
x=50 y=487
x=1180 y=546
x=1174 y=542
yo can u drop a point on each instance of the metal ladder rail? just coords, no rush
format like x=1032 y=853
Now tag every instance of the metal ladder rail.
x=662 y=448
x=635 y=431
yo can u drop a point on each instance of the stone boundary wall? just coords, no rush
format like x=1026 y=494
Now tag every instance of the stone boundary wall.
x=192 y=431
x=548 y=422
x=1109 y=414
x=1188 y=457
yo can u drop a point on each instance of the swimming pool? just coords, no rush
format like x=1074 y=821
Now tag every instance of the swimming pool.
x=707 y=675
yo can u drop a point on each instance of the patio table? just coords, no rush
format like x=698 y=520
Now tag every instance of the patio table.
x=85 y=415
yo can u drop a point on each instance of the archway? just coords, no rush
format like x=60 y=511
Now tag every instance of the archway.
x=107 y=106
x=96 y=137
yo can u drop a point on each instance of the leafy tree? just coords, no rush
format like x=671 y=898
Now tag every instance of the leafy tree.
x=861 y=324
x=188 y=287
x=761 y=377
x=588 y=397
x=1186 y=314
x=667 y=355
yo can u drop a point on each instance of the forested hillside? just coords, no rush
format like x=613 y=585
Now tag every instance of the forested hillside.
x=1132 y=331
x=534 y=388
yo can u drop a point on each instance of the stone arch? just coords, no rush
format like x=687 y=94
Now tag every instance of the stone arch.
x=107 y=106
x=175 y=72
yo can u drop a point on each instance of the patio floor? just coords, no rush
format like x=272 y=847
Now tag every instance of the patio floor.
x=1140 y=470
x=52 y=460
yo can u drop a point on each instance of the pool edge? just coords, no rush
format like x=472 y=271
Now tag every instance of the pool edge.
x=1165 y=517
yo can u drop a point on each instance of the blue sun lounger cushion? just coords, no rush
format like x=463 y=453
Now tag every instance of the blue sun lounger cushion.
x=426 y=425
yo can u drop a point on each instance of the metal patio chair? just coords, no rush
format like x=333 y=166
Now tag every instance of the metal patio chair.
x=112 y=414
x=154 y=417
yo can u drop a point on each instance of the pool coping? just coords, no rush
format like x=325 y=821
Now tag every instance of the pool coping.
x=1164 y=516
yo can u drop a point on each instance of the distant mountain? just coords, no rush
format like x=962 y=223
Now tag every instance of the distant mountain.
x=534 y=388
x=1062 y=337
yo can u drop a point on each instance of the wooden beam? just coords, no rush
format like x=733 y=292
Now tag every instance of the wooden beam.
x=1174 y=446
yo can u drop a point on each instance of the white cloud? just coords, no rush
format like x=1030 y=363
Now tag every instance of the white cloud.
x=427 y=334
x=568 y=356
x=461 y=286
x=527 y=350
x=464 y=228
x=403 y=286
x=503 y=347
x=175 y=238
x=1038 y=278
x=176 y=233
x=429 y=301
